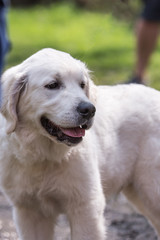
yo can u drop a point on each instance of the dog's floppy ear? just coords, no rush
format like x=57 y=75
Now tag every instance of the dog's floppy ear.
x=12 y=87
x=92 y=92
x=91 y=89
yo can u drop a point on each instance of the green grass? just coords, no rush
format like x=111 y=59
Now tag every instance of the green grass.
x=104 y=43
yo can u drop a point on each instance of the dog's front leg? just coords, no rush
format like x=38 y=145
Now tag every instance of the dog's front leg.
x=32 y=225
x=87 y=221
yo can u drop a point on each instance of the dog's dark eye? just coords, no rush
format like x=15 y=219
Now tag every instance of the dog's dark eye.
x=82 y=85
x=53 y=85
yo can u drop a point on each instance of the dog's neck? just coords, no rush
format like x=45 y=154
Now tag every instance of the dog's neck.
x=38 y=147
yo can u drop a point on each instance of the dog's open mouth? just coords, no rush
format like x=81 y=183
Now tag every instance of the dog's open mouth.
x=68 y=135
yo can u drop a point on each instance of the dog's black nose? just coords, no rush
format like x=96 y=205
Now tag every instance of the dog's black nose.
x=86 y=109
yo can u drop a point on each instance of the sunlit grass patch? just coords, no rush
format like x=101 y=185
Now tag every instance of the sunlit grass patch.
x=105 y=44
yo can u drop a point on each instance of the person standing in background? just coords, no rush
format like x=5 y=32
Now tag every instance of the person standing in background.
x=147 y=32
x=4 y=43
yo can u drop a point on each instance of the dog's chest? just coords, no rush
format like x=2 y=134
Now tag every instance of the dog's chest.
x=48 y=186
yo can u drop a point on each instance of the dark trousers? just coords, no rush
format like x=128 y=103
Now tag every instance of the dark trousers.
x=151 y=11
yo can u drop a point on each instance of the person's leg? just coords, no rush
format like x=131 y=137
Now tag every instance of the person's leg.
x=147 y=31
x=4 y=44
x=147 y=36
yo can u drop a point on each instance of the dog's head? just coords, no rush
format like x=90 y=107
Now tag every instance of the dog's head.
x=52 y=93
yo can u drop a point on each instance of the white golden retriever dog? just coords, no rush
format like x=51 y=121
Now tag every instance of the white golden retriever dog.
x=52 y=160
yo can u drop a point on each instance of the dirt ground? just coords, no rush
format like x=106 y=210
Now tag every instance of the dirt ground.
x=124 y=224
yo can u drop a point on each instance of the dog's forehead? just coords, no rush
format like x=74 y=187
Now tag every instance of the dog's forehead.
x=54 y=59
x=51 y=63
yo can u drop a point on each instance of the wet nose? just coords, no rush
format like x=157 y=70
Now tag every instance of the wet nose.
x=86 y=110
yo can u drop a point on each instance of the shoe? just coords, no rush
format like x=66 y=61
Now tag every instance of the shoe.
x=135 y=79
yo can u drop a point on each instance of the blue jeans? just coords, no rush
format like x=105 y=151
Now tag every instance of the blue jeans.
x=4 y=43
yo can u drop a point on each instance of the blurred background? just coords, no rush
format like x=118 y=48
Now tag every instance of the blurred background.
x=101 y=34
x=98 y=32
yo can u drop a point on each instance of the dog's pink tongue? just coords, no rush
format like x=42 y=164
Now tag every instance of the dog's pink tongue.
x=74 y=132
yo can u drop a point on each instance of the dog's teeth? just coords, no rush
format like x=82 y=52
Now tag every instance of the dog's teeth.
x=80 y=126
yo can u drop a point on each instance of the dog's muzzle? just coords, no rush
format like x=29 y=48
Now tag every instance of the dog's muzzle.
x=74 y=134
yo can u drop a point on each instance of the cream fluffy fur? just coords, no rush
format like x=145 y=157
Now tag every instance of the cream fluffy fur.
x=43 y=177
